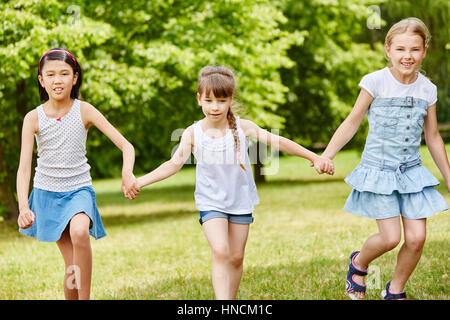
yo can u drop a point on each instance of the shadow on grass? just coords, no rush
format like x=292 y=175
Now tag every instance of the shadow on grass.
x=317 y=279
x=128 y=219
x=301 y=181
x=186 y=192
x=157 y=195
x=295 y=281
x=9 y=230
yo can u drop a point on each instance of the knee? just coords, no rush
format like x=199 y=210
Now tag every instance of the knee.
x=221 y=253
x=391 y=241
x=79 y=236
x=415 y=242
x=236 y=259
x=79 y=229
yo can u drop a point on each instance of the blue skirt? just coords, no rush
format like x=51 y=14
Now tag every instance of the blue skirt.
x=54 y=210
x=387 y=192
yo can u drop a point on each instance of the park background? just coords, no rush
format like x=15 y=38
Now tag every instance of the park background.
x=297 y=64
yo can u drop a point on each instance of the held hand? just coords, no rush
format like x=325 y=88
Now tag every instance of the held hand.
x=323 y=165
x=130 y=186
x=26 y=218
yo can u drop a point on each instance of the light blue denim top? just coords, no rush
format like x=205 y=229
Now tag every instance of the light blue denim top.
x=392 y=147
x=395 y=129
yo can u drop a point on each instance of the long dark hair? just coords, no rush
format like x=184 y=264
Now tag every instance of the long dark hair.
x=67 y=57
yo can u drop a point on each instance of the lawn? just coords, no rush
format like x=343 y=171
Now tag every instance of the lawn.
x=298 y=246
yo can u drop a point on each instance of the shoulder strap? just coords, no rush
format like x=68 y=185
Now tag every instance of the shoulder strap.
x=197 y=133
x=238 y=124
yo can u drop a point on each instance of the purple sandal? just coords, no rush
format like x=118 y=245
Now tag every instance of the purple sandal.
x=387 y=295
x=350 y=285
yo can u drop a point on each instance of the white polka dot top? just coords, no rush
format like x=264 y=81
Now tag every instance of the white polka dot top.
x=61 y=147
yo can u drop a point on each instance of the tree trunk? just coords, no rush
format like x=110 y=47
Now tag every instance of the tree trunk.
x=7 y=197
x=7 y=174
x=259 y=176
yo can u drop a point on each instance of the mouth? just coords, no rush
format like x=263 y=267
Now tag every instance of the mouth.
x=215 y=115
x=58 y=90
x=407 y=65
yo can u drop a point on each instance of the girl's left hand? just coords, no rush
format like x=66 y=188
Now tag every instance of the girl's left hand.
x=130 y=186
x=323 y=165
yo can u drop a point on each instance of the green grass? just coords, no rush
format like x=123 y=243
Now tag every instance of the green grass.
x=298 y=246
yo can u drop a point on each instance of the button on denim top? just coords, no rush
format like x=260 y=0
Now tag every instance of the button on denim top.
x=391 y=158
x=395 y=128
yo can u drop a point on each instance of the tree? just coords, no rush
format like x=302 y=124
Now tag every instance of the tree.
x=30 y=28
x=328 y=66
x=140 y=61
x=436 y=16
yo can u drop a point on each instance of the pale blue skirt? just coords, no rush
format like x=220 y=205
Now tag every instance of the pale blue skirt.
x=54 y=210
x=387 y=191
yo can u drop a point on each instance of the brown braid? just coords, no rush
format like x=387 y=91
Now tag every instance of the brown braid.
x=220 y=81
x=232 y=124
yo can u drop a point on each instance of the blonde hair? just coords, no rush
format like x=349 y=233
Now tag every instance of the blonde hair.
x=411 y=24
x=220 y=81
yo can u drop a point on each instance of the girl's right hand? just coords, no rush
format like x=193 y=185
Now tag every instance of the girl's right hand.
x=323 y=165
x=130 y=186
x=26 y=219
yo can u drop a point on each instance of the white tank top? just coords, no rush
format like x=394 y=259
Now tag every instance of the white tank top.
x=61 y=147
x=221 y=184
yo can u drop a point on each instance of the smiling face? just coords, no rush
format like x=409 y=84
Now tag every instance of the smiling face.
x=57 y=78
x=214 y=108
x=406 y=52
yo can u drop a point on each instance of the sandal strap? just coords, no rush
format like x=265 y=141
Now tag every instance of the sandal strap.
x=352 y=286
x=355 y=270
x=393 y=296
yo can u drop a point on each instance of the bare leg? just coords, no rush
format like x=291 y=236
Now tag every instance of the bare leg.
x=216 y=232
x=65 y=246
x=410 y=252
x=82 y=254
x=387 y=239
x=237 y=234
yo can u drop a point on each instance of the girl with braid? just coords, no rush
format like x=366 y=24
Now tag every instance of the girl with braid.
x=225 y=191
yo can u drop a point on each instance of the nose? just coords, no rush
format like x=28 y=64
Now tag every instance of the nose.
x=57 y=79
x=215 y=105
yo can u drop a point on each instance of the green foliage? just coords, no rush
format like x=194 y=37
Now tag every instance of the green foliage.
x=140 y=62
x=297 y=63
x=160 y=48
x=329 y=65
x=298 y=246
x=436 y=15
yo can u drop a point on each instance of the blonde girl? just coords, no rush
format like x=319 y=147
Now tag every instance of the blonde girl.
x=390 y=184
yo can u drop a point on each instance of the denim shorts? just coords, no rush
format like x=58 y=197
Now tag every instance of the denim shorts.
x=234 y=218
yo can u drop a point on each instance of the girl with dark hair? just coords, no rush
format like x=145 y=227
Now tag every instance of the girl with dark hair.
x=225 y=192
x=62 y=205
